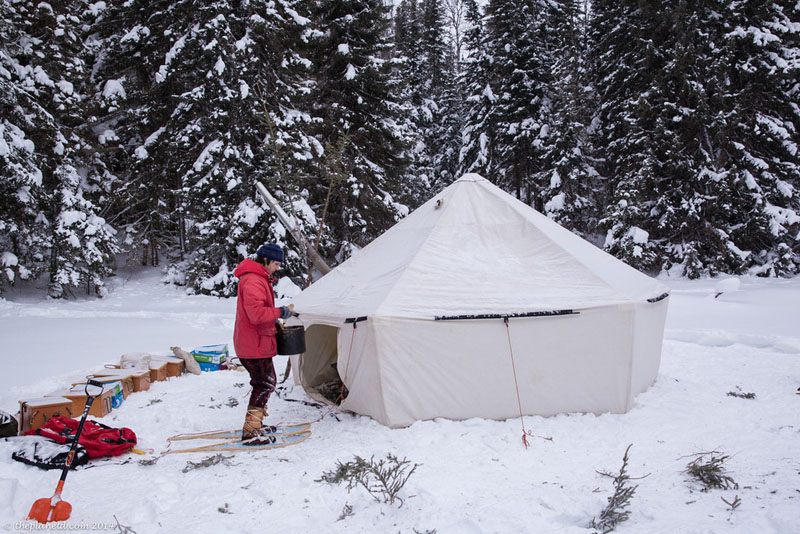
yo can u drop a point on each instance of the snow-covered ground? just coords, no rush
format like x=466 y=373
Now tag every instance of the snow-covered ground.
x=473 y=476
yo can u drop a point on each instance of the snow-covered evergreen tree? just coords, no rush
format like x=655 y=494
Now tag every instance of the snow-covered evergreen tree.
x=208 y=117
x=693 y=207
x=407 y=48
x=22 y=249
x=477 y=153
x=427 y=71
x=573 y=194
x=702 y=146
x=621 y=75
x=507 y=128
x=355 y=104
x=757 y=69
x=60 y=230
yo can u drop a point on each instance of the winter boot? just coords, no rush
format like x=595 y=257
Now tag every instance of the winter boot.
x=252 y=421
x=252 y=429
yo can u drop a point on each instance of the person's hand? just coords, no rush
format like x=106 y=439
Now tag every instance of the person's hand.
x=285 y=312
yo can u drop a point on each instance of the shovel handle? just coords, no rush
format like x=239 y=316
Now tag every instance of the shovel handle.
x=74 y=446
x=90 y=382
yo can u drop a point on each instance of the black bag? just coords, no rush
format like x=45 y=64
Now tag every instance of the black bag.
x=47 y=454
x=8 y=425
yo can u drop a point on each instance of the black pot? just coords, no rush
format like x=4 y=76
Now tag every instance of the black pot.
x=291 y=340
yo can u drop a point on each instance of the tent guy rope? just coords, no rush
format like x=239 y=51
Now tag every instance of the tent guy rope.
x=525 y=433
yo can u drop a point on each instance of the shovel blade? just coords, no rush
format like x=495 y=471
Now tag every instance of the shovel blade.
x=40 y=511
x=61 y=511
x=44 y=511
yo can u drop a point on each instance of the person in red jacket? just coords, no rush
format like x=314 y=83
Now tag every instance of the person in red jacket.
x=254 y=333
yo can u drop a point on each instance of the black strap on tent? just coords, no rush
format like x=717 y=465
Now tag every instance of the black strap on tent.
x=656 y=299
x=354 y=320
x=550 y=313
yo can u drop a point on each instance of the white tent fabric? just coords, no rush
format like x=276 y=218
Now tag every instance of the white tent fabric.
x=414 y=323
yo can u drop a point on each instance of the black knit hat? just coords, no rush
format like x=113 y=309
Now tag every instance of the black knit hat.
x=270 y=251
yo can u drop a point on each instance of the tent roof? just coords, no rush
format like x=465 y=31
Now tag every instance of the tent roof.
x=474 y=249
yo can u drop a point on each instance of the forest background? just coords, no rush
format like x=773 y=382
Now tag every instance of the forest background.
x=664 y=132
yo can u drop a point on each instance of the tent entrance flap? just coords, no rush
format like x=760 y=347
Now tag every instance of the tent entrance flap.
x=317 y=368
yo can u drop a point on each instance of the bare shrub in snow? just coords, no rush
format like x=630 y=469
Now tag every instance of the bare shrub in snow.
x=383 y=479
x=208 y=462
x=741 y=394
x=347 y=511
x=708 y=469
x=734 y=504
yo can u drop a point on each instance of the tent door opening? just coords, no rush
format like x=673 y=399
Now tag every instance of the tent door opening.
x=317 y=369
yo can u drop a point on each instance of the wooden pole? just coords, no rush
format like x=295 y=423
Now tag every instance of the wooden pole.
x=312 y=253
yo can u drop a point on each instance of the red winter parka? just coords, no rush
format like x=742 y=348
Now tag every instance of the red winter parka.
x=254 y=332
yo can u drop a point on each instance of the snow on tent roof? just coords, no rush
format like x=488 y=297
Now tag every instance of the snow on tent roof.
x=475 y=249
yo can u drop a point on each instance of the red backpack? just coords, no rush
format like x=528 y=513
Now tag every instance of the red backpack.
x=98 y=439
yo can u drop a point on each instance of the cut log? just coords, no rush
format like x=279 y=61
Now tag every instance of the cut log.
x=311 y=252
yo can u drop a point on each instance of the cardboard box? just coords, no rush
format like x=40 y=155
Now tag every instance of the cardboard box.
x=216 y=354
x=111 y=384
x=174 y=365
x=209 y=358
x=158 y=371
x=101 y=406
x=34 y=413
x=141 y=379
x=122 y=375
x=206 y=367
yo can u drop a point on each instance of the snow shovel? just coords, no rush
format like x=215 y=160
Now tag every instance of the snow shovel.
x=45 y=510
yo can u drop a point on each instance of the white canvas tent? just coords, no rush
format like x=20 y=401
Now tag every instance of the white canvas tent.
x=414 y=323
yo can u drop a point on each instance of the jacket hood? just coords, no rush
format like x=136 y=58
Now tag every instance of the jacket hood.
x=249 y=266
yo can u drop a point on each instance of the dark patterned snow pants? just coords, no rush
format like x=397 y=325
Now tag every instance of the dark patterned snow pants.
x=262 y=378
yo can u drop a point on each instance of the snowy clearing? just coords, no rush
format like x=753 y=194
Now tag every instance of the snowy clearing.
x=473 y=476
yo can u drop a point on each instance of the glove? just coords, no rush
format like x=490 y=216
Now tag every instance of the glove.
x=285 y=312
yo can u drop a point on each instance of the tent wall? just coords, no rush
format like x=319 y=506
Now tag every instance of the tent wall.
x=462 y=369
x=648 y=340
x=360 y=369
x=403 y=370
x=347 y=351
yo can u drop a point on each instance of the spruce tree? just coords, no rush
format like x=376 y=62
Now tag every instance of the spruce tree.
x=441 y=117
x=427 y=73
x=210 y=110
x=355 y=107
x=507 y=126
x=407 y=50
x=477 y=153
x=22 y=231
x=691 y=212
x=700 y=135
x=622 y=61
x=136 y=97
x=757 y=73
x=68 y=238
x=574 y=191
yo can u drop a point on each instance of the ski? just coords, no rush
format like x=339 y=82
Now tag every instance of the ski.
x=281 y=440
x=279 y=430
